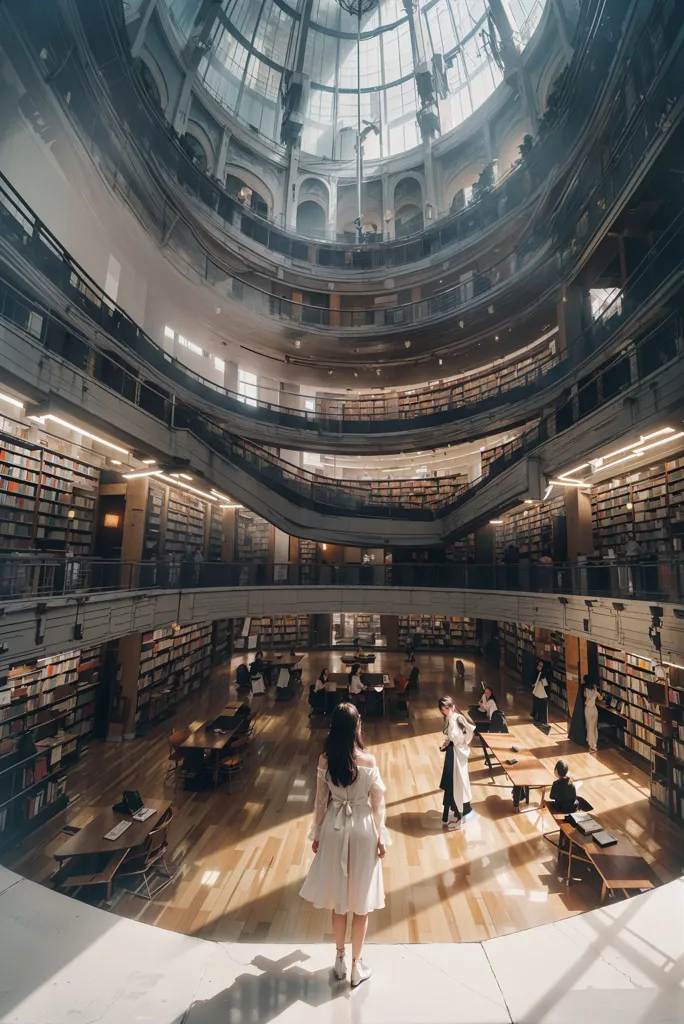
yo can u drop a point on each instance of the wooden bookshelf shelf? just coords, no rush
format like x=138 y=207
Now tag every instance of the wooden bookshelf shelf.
x=176 y=661
x=438 y=632
x=53 y=700
x=253 y=537
x=47 y=498
x=273 y=631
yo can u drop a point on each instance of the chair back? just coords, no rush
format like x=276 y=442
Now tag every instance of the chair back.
x=242 y=676
x=178 y=737
x=499 y=723
x=413 y=680
x=158 y=838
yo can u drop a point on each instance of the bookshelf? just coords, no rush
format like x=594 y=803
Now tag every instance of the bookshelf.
x=274 y=631
x=215 y=533
x=438 y=632
x=154 y=518
x=48 y=497
x=307 y=552
x=52 y=700
x=438 y=396
x=184 y=523
x=519 y=640
x=668 y=766
x=253 y=537
x=221 y=641
x=530 y=529
x=649 y=504
x=623 y=680
x=557 y=691
x=416 y=493
x=174 y=662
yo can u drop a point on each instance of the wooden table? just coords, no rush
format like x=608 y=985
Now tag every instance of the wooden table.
x=358 y=659
x=373 y=680
x=207 y=739
x=91 y=839
x=528 y=773
x=620 y=866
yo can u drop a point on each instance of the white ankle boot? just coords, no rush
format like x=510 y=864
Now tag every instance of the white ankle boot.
x=340 y=967
x=359 y=973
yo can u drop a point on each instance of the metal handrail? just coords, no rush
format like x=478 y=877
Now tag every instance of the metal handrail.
x=34 y=576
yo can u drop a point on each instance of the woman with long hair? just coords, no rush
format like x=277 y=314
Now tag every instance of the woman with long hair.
x=591 y=694
x=455 y=782
x=349 y=838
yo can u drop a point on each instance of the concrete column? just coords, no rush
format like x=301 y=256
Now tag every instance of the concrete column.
x=230 y=376
x=430 y=197
x=513 y=64
x=228 y=530
x=579 y=523
x=222 y=158
x=332 y=206
x=487 y=137
x=129 y=660
x=562 y=26
x=387 y=205
x=179 y=118
x=290 y=204
x=574 y=314
x=485 y=545
x=141 y=25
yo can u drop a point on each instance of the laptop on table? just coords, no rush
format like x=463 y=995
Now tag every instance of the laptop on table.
x=134 y=803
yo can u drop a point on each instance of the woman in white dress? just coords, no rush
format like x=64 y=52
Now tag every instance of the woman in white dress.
x=591 y=695
x=349 y=838
x=455 y=780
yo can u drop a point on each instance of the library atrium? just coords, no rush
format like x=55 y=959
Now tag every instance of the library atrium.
x=341 y=505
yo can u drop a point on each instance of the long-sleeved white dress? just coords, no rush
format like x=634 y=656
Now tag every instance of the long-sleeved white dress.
x=591 y=716
x=346 y=873
x=461 y=742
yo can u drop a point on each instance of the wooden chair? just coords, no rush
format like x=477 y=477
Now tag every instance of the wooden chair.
x=150 y=860
x=252 y=719
x=175 y=755
x=86 y=871
x=232 y=766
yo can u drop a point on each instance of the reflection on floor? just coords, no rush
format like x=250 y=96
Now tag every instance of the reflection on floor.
x=243 y=856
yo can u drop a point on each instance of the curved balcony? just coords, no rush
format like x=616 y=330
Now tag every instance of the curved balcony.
x=507 y=395
x=87 y=382
x=439 y=307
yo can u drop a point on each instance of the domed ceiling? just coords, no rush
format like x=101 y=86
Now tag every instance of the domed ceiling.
x=255 y=44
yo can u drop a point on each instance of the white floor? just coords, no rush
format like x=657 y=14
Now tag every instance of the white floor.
x=64 y=963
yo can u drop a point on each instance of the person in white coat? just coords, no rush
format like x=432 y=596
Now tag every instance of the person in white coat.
x=540 y=700
x=455 y=781
x=591 y=695
x=349 y=838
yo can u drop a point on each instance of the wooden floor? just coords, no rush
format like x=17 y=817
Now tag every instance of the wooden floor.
x=243 y=857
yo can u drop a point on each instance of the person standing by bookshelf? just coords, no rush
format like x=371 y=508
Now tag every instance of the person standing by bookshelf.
x=540 y=700
x=455 y=781
x=591 y=695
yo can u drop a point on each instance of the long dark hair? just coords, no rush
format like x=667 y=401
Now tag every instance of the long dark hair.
x=341 y=742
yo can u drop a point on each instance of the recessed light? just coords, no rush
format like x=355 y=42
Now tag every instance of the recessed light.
x=298 y=343
x=115 y=462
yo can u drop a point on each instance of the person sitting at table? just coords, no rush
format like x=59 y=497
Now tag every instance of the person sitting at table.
x=321 y=681
x=563 y=796
x=256 y=678
x=400 y=683
x=356 y=684
x=487 y=705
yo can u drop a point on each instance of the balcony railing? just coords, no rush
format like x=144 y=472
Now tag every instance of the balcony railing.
x=662 y=269
x=25 y=577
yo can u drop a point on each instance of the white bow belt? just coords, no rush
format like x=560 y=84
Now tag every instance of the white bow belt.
x=344 y=812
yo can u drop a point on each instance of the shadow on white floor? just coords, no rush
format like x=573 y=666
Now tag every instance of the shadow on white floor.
x=65 y=963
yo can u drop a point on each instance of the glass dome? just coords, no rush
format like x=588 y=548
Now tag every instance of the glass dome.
x=254 y=43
